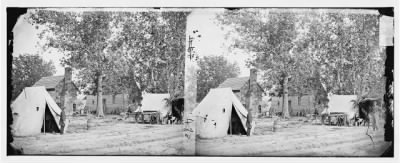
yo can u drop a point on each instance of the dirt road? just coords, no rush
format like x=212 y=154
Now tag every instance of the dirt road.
x=111 y=138
x=297 y=139
x=119 y=137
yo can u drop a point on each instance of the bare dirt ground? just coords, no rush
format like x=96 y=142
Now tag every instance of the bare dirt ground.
x=111 y=137
x=123 y=137
x=297 y=138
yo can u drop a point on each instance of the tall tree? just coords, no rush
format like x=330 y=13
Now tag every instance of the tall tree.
x=153 y=45
x=311 y=49
x=28 y=69
x=213 y=70
x=270 y=37
x=83 y=38
x=120 y=51
x=343 y=47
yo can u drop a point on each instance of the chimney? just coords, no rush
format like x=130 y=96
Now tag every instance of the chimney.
x=252 y=107
x=68 y=75
x=67 y=81
x=253 y=76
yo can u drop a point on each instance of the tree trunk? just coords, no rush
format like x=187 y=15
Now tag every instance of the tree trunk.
x=285 y=109
x=99 y=107
x=299 y=102
x=340 y=84
x=354 y=81
x=123 y=101
x=314 y=100
x=135 y=93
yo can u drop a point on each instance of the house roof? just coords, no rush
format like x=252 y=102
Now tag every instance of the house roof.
x=234 y=83
x=237 y=83
x=49 y=81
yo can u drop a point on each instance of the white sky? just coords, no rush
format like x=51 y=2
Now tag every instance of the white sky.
x=25 y=41
x=212 y=40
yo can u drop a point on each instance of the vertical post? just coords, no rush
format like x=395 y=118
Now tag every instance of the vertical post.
x=230 y=124
x=44 y=121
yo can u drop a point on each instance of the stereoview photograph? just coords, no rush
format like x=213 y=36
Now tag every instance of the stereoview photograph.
x=268 y=82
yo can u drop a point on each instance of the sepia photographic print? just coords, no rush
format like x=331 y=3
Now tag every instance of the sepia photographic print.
x=189 y=82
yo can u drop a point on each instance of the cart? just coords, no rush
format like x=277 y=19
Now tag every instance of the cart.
x=337 y=119
x=146 y=117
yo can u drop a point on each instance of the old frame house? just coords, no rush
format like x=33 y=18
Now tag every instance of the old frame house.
x=62 y=90
x=241 y=88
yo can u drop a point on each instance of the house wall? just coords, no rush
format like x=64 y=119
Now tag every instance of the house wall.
x=70 y=97
x=306 y=104
x=255 y=100
x=119 y=104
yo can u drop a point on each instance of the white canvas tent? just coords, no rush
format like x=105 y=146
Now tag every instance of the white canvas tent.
x=342 y=103
x=219 y=113
x=29 y=110
x=155 y=102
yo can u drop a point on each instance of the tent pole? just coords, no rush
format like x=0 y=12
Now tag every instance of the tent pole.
x=44 y=121
x=230 y=123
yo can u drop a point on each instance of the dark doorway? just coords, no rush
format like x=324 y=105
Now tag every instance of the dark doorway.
x=178 y=106
x=50 y=124
x=236 y=124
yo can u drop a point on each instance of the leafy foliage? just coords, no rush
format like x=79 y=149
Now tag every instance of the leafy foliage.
x=270 y=37
x=213 y=70
x=28 y=69
x=153 y=45
x=315 y=49
x=343 y=47
x=119 y=52
x=83 y=38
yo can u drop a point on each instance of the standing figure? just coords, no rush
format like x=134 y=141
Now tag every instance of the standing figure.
x=63 y=117
x=139 y=113
x=325 y=114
